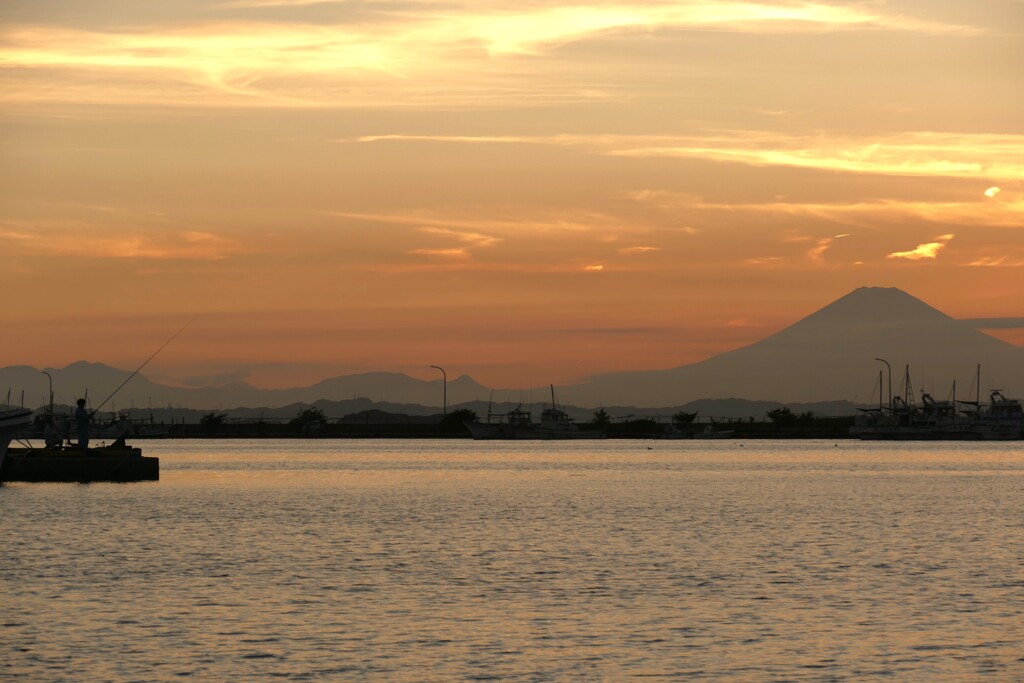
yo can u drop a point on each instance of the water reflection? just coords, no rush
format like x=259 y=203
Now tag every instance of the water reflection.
x=438 y=561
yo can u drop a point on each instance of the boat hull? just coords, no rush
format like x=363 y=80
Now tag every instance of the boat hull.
x=12 y=423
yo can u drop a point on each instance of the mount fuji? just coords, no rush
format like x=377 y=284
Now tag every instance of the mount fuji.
x=831 y=354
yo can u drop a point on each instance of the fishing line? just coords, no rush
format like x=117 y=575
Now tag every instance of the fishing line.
x=139 y=369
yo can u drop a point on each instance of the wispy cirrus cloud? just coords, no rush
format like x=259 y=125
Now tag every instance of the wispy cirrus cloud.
x=466 y=139
x=454 y=252
x=258 y=4
x=474 y=238
x=187 y=245
x=495 y=241
x=906 y=154
x=89 y=242
x=499 y=224
x=409 y=53
x=998 y=262
x=510 y=25
x=817 y=253
x=920 y=153
x=764 y=260
x=1004 y=214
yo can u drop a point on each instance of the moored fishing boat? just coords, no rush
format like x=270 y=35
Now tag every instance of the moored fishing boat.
x=1001 y=419
x=518 y=424
x=12 y=422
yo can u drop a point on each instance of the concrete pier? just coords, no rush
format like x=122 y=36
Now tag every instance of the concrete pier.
x=78 y=465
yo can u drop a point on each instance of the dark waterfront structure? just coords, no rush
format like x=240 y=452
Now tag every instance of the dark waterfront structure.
x=113 y=464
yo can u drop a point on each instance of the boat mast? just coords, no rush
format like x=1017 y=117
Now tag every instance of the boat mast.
x=908 y=392
x=978 y=374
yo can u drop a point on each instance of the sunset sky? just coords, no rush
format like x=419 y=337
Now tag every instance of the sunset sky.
x=526 y=192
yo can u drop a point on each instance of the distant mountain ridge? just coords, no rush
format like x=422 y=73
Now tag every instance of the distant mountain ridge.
x=828 y=355
x=100 y=381
x=706 y=409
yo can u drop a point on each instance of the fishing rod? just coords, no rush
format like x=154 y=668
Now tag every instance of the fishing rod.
x=139 y=369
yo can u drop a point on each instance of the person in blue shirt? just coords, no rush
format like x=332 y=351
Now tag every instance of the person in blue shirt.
x=82 y=417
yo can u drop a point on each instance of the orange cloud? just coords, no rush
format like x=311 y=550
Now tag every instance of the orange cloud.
x=920 y=153
x=929 y=250
x=448 y=253
x=475 y=238
x=997 y=262
x=465 y=223
x=817 y=252
x=910 y=154
x=166 y=245
x=1008 y=214
x=399 y=59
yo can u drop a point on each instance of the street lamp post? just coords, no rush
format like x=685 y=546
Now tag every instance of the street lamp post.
x=51 y=389
x=444 y=382
x=882 y=360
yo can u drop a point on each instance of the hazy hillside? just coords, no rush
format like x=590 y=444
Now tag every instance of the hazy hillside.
x=98 y=381
x=829 y=355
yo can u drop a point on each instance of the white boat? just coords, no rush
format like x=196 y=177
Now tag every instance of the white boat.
x=711 y=433
x=12 y=422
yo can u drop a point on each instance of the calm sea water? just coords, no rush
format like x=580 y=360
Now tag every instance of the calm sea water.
x=456 y=560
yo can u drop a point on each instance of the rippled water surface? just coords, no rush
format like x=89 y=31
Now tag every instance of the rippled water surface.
x=456 y=560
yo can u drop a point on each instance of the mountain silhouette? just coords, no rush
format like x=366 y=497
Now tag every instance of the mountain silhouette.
x=829 y=355
x=98 y=381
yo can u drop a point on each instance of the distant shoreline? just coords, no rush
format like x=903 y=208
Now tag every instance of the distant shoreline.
x=823 y=428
